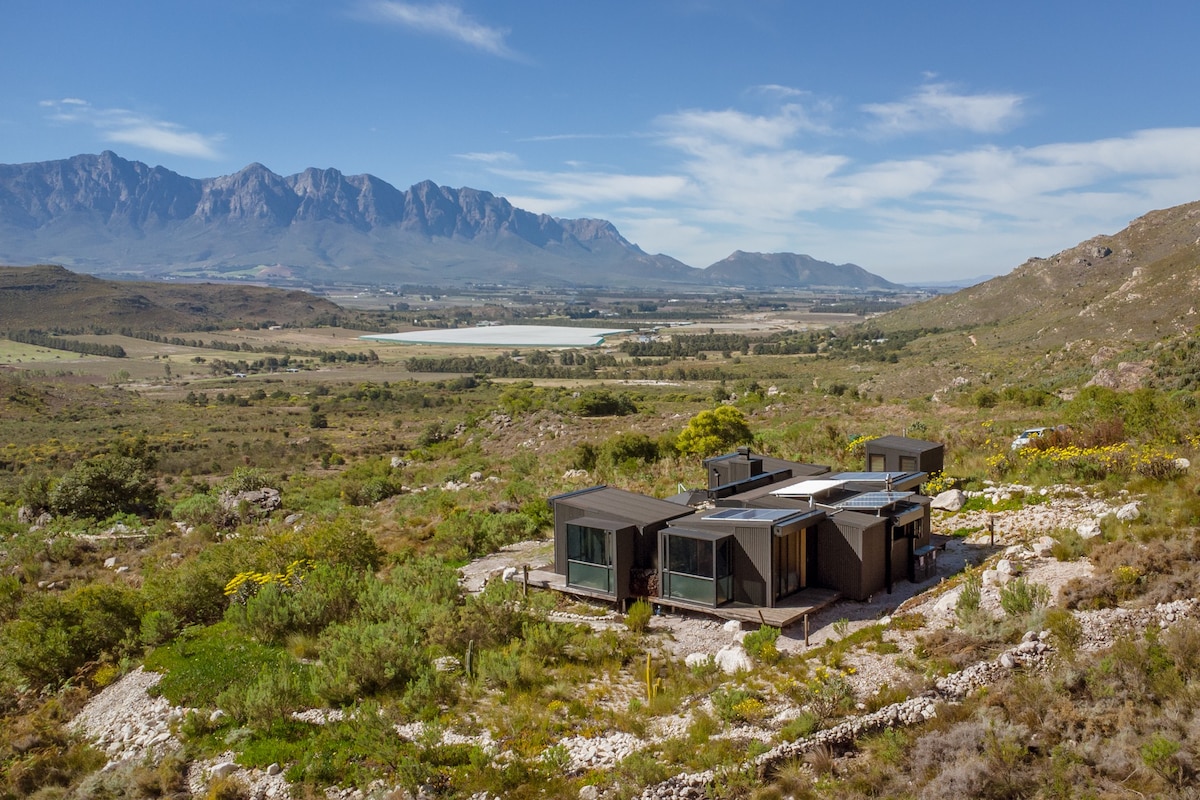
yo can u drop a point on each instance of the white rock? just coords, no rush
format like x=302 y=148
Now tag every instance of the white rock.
x=110 y=562
x=732 y=626
x=224 y=769
x=217 y=716
x=509 y=574
x=949 y=500
x=733 y=658
x=1088 y=529
x=1007 y=661
x=1042 y=547
x=1128 y=512
x=274 y=770
x=698 y=659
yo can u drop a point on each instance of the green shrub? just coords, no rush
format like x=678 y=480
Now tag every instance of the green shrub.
x=105 y=485
x=158 y=627
x=1019 y=596
x=760 y=645
x=604 y=403
x=637 y=618
x=361 y=658
x=1065 y=631
x=1068 y=545
x=967 y=607
x=53 y=637
x=201 y=509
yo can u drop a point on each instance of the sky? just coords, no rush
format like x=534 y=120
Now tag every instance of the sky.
x=923 y=141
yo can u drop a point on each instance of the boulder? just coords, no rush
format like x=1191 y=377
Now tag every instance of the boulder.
x=1128 y=512
x=733 y=658
x=1042 y=547
x=1088 y=529
x=698 y=660
x=949 y=500
x=224 y=769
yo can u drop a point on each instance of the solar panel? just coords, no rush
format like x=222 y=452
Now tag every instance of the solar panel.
x=752 y=514
x=873 y=501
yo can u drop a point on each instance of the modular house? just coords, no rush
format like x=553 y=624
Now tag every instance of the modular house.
x=603 y=536
x=770 y=530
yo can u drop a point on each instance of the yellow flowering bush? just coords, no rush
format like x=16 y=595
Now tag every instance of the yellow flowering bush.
x=244 y=585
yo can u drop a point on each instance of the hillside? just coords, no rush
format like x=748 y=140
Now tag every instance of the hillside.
x=50 y=296
x=1138 y=285
x=1105 y=311
x=789 y=270
x=105 y=215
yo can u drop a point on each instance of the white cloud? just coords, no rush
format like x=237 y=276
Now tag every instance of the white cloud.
x=781 y=180
x=122 y=126
x=936 y=106
x=440 y=19
x=566 y=190
x=497 y=157
x=770 y=131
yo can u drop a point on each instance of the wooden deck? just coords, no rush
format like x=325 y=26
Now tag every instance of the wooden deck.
x=790 y=610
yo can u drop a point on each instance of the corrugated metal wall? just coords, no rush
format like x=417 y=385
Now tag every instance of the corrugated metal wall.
x=752 y=566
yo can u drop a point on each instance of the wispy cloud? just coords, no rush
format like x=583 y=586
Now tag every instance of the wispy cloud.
x=440 y=19
x=691 y=128
x=783 y=179
x=497 y=157
x=936 y=106
x=123 y=126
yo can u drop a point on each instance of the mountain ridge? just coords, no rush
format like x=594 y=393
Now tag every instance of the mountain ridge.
x=105 y=215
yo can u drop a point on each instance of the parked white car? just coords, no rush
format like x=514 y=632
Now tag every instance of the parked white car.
x=1028 y=435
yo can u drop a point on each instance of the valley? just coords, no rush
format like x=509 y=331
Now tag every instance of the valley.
x=265 y=520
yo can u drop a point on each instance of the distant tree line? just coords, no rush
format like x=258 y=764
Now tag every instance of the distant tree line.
x=690 y=346
x=43 y=339
x=506 y=366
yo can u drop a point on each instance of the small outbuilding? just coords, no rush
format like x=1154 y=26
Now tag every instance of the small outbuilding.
x=902 y=454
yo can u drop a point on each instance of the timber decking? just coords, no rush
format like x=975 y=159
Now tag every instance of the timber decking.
x=790 y=610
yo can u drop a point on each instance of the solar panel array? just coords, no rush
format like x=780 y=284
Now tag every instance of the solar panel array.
x=752 y=514
x=872 y=501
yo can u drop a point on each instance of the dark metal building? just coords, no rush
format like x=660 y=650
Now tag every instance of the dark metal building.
x=602 y=535
x=902 y=454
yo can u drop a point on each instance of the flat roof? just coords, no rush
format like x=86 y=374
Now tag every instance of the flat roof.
x=808 y=488
x=751 y=514
x=772 y=516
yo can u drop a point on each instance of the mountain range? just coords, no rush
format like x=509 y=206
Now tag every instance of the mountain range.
x=104 y=215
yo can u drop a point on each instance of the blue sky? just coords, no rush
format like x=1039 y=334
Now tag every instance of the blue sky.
x=920 y=140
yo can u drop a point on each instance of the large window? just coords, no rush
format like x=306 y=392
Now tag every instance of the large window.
x=698 y=569
x=590 y=558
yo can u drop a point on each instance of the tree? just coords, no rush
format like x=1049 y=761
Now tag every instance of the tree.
x=715 y=431
x=105 y=485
